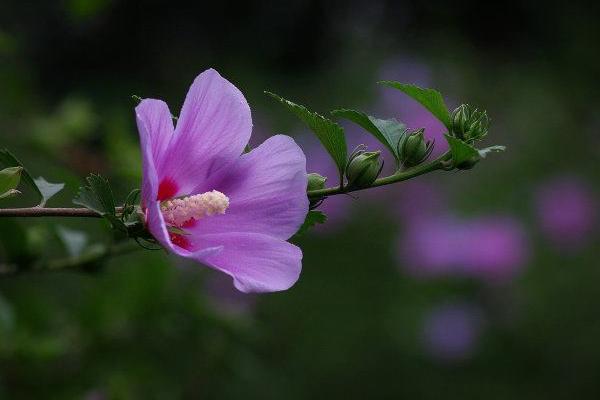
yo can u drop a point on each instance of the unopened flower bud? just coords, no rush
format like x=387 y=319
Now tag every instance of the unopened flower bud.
x=460 y=120
x=364 y=167
x=414 y=149
x=469 y=124
x=316 y=181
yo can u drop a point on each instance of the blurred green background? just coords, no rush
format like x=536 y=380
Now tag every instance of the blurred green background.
x=473 y=284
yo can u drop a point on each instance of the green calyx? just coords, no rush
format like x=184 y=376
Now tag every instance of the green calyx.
x=363 y=168
x=315 y=181
x=469 y=123
x=414 y=149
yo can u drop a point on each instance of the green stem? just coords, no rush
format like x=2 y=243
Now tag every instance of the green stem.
x=51 y=212
x=399 y=176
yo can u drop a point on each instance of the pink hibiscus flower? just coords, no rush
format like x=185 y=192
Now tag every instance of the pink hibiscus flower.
x=203 y=199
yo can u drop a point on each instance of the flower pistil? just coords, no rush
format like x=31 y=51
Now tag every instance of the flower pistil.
x=177 y=212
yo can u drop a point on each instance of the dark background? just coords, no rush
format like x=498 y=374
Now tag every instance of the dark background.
x=381 y=310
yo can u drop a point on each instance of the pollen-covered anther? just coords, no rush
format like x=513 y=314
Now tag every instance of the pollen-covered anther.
x=179 y=211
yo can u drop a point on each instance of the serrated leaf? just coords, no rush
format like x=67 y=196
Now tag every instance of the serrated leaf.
x=7 y=159
x=96 y=196
x=329 y=133
x=429 y=98
x=492 y=149
x=387 y=131
x=461 y=152
x=47 y=189
x=10 y=178
x=313 y=218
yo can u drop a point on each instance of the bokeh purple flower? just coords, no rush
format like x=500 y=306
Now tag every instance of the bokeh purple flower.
x=205 y=200
x=432 y=246
x=566 y=211
x=491 y=248
x=496 y=248
x=451 y=332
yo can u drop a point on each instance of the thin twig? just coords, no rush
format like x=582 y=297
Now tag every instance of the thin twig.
x=50 y=212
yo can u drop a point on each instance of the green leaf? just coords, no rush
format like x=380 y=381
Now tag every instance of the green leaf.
x=313 y=218
x=329 y=133
x=429 y=98
x=129 y=205
x=492 y=149
x=9 y=160
x=10 y=193
x=387 y=131
x=42 y=187
x=9 y=179
x=96 y=196
x=47 y=189
x=461 y=152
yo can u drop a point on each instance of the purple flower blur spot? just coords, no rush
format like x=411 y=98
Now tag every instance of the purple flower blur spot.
x=493 y=249
x=566 y=210
x=238 y=210
x=431 y=246
x=451 y=332
x=496 y=248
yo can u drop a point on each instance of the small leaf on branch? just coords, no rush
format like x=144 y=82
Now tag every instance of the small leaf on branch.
x=47 y=189
x=129 y=205
x=429 y=98
x=464 y=156
x=329 y=133
x=9 y=193
x=9 y=180
x=313 y=218
x=98 y=197
x=492 y=149
x=387 y=131
x=9 y=160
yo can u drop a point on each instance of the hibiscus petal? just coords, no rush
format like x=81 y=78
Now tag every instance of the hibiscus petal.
x=212 y=130
x=257 y=263
x=266 y=190
x=155 y=127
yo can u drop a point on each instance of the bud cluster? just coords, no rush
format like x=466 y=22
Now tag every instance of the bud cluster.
x=469 y=123
x=413 y=149
x=363 y=168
